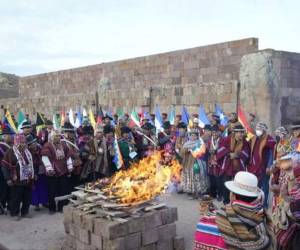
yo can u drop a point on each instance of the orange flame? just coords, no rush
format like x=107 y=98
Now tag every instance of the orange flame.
x=144 y=180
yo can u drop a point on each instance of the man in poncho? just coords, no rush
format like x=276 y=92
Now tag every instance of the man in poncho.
x=18 y=170
x=59 y=166
x=101 y=164
x=241 y=224
x=69 y=141
x=232 y=155
x=261 y=157
x=127 y=147
x=43 y=135
x=5 y=144
x=144 y=144
x=181 y=139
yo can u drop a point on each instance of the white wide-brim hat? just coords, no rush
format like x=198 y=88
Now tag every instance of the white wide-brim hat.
x=244 y=184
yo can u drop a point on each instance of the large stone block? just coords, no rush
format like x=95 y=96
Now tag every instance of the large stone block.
x=88 y=222
x=152 y=220
x=149 y=236
x=110 y=229
x=166 y=232
x=77 y=217
x=74 y=230
x=116 y=244
x=133 y=241
x=191 y=64
x=135 y=225
x=165 y=245
x=169 y=215
x=149 y=247
x=84 y=236
x=96 y=240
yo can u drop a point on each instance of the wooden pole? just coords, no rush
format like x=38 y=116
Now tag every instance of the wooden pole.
x=97 y=103
x=238 y=92
x=150 y=99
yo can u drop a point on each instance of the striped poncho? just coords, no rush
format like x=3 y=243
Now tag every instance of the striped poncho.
x=242 y=225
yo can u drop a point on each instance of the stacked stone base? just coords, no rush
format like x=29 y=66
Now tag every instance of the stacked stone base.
x=154 y=230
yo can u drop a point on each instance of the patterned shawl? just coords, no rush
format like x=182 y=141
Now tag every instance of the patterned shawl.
x=289 y=238
x=243 y=226
x=26 y=169
x=207 y=235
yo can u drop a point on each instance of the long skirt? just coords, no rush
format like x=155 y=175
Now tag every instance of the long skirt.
x=40 y=191
x=194 y=182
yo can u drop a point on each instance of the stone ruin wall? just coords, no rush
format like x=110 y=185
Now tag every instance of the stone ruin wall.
x=269 y=80
x=203 y=75
x=270 y=86
x=9 y=85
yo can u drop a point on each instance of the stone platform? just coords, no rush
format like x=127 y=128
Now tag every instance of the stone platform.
x=154 y=230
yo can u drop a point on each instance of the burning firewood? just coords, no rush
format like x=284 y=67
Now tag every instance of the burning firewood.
x=141 y=182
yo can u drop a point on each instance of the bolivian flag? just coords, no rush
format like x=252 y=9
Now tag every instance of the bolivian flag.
x=243 y=120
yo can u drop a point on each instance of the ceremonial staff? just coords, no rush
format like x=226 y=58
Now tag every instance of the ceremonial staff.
x=142 y=134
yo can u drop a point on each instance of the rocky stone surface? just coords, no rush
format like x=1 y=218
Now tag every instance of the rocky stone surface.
x=9 y=85
x=209 y=74
x=270 y=86
x=206 y=75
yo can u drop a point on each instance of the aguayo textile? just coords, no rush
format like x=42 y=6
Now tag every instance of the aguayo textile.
x=243 y=226
x=288 y=238
x=208 y=236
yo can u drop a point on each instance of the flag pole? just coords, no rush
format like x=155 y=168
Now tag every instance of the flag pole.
x=97 y=103
x=238 y=91
x=142 y=134
x=150 y=99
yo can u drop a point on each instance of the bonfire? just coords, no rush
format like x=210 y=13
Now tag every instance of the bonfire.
x=143 y=181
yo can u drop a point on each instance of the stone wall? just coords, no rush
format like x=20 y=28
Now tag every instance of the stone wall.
x=155 y=230
x=9 y=85
x=269 y=80
x=270 y=86
x=203 y=75
x=290 y=86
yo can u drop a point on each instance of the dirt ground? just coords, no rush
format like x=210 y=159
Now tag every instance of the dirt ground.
x=46 y=232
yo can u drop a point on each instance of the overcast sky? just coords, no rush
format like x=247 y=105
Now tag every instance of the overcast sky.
x=38 y=36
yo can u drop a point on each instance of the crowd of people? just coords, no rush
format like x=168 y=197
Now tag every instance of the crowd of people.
x=249 y=173
x=259 y=181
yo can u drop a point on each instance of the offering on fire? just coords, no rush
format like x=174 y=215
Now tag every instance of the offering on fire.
x=143 y=181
